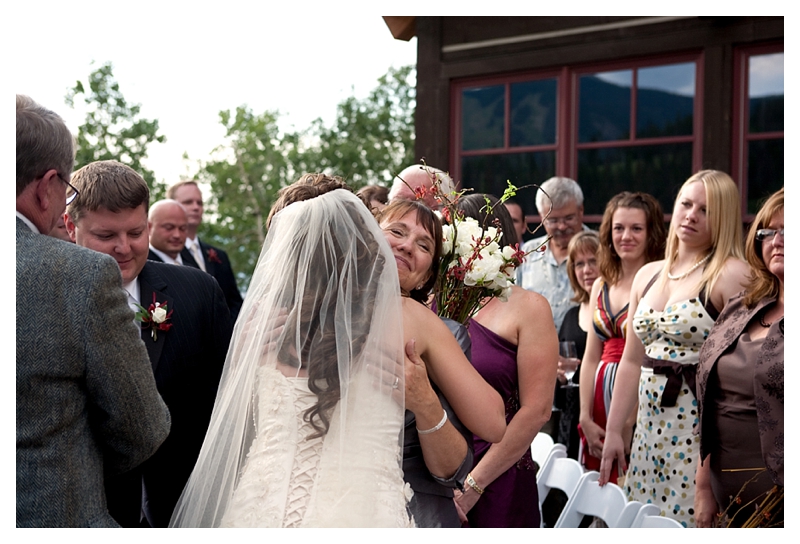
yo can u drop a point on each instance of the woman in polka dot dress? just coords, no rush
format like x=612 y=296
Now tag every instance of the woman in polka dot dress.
x=676 y=301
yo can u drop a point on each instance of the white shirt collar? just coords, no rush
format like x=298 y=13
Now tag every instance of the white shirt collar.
x=29 y=223
x=166 y=258
x=133 y=290
x=191 y=241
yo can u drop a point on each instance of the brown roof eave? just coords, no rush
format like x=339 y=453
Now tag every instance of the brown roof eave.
x=402 y=28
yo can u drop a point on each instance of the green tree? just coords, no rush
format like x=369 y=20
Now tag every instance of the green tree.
x=112 y=128
x=372 y=138
x=244 y=175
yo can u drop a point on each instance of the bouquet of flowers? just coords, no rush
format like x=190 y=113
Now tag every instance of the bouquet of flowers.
x=474 y=268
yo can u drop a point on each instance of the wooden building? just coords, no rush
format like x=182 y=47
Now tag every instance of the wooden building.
x=616 y=103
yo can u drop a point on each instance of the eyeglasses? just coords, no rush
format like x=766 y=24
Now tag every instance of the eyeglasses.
x=553 y=221
x=592 y=263
x=70 y=196
x=764 y=235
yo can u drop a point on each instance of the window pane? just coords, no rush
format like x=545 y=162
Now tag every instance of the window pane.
x=604 y=112
x=490 y=173
x=533 y=113
x=764 y=171
x=665 y=101
x=656 y=169
x=482 y=112
x=766 y=93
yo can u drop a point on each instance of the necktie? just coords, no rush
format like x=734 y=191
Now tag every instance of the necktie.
x=198 y=256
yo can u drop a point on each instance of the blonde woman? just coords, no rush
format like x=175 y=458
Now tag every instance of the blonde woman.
x=676 y=301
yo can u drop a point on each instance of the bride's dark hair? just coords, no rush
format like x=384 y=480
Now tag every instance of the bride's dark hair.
x=311 y=324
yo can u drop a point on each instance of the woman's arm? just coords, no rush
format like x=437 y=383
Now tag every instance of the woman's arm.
x=476 y=403
x=537 y=358
x=626 y=383
x=445 y=449
x=705 y=505
x=591 y=360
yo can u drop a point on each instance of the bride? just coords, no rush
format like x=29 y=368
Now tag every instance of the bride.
x=307 y=428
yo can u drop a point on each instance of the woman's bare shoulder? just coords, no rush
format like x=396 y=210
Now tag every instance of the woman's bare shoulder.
x=733 y=278
x=519 y=294
x=416 y=315
x=647 y=271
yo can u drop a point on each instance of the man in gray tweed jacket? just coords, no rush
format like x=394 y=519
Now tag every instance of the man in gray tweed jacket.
x=87 y=404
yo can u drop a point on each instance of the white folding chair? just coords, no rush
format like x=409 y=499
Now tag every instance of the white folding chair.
x=540 y=448
x=628 y=514
x=590 y=499
x=649 y=517
x=558 y=472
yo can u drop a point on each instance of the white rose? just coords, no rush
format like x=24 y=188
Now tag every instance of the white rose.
x=159 y=315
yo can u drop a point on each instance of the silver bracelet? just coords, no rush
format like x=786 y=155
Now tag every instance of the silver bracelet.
x=439 y=426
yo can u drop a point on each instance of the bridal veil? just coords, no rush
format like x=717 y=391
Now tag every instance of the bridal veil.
x=326 y=268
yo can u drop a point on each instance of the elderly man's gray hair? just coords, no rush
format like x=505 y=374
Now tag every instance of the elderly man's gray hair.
x=561 y=191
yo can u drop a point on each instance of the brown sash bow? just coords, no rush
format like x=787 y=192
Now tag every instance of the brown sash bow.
x=676 y=374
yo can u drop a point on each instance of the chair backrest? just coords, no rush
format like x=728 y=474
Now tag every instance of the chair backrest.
x=649 y=517
x=628 y=514
x=540 y=448
x=558 y=472
x=590 y=499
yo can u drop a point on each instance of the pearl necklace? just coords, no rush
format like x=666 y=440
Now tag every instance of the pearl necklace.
x=692 y=269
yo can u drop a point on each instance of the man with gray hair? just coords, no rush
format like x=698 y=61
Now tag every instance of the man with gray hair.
x=545 y=272
x=87 y=404
x=416 y=182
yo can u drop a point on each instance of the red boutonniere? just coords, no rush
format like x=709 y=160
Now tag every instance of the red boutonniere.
x=213 y=256
x=155 y=317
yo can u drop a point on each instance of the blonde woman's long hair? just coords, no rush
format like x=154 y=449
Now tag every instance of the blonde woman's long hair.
x=724 y=216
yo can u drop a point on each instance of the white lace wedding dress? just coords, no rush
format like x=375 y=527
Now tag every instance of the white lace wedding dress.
x=261 y=499
x=324 y=301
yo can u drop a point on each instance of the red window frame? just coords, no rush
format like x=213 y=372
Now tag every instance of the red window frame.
x=566 y=144
x=741 y=117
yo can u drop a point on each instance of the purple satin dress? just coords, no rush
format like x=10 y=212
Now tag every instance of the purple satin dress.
x=512 y=499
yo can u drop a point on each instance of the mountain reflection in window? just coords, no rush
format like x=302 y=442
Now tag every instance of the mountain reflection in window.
x=665 y=101
x=765 y=91
x=483 y=114
x=604 y=111
x=533 y=112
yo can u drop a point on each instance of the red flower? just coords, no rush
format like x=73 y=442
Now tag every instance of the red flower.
x=446 y=214
x=213 y=256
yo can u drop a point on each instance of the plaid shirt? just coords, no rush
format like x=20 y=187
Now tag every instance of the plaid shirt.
x=540 y=273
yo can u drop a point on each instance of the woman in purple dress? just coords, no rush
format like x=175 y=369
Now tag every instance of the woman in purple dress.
x=515 y=349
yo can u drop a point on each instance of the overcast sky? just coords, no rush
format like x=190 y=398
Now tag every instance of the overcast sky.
x=184 y=62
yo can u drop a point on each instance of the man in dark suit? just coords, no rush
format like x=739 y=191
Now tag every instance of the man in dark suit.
x=187 y=329
x=209 y=258
x=87 y=403
x=167 y=223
